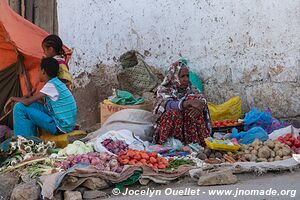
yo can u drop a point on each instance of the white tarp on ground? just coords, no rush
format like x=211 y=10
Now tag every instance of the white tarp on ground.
x=139 y=122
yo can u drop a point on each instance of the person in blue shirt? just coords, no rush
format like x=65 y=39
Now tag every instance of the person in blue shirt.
x=56 y=115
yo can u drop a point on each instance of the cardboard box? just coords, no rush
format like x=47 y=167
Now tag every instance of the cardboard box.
x=107 y=109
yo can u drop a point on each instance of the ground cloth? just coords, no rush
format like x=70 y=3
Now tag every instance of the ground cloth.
x=80 y=174
x=250 y=167
x=88 y=176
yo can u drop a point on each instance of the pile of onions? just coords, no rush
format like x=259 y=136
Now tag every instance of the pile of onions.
x=115 y=147
x=101 y=161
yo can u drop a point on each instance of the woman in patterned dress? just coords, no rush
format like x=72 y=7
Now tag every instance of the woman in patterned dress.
x=181 y=109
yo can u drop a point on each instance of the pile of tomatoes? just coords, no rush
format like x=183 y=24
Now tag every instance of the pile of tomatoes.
x=225 y=123
x=143 y=158
x=289 y=140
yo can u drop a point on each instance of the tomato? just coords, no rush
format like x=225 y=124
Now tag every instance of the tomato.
x=280 y=139
x=153 y=160
x=298 y=138
x=145 y=156
x=137 y=157
x=293 y=148
x=161 y=166
x=125 y=161
x=288 y=136
x=288 y=143
x=153 y=154
x=292 y=140
x=297 y=143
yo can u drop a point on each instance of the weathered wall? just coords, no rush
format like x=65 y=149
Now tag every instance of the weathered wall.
x=238 y=47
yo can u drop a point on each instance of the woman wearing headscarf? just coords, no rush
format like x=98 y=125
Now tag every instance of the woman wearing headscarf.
x=181 y=109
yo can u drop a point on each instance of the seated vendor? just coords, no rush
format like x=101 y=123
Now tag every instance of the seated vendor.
x=57 y=115
x=181 y=109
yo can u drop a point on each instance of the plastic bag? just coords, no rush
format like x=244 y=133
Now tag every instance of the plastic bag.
x=256 y=118
x=231 y=109
x=249 y=136
x=173 y=144
x=283 y=131
x=158 y=148
x=127 y=136
x=122 y=97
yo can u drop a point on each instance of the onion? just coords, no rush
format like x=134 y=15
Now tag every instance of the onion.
x=107 y=168
x=119 y=169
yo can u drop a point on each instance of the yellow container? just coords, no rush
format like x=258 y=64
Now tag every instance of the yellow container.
x=221 y=147
x=62 y=140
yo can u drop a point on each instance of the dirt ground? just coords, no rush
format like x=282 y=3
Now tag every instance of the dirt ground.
x=268 y=182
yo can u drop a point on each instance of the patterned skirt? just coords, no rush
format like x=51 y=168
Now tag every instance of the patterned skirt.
x=182 y=126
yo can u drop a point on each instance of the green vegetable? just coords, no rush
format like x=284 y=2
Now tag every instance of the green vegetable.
x=38 y=169
x=174 y=164
x=51 y=151
x=76 y=148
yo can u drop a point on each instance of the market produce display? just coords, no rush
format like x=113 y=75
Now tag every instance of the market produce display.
x=216 y=157
x=222 y=145
x=225 y=123
x=257 y=151
x=268 y=151
x=101 y=161
x=45 y=167
x=77 y=147
x=175 y=163
x=22 y=149
x=115 y=147
x=292 y=142
x=140 y=158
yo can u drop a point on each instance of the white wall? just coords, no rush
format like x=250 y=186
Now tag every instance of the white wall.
x=239 y=47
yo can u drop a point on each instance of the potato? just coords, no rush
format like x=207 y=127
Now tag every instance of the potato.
x=261 y=160
x=247 y=152
x=270 y=144
x=244 y=147
x=282 y=145
x=218 y=155
x=264 y=152
x=279 y=153
x=273 y=154
x=277 y=158
x=271 y=159
x=286 y=157
x=286 y=151
x=250 y=157
x=277 y=147
x=254 y=152
x=207 y=151
x=251 y=148
x=212 y=155
x=256 y=142
x=201 y=156
x=257 y=147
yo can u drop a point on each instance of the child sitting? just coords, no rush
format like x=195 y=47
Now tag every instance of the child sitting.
x=53 y=47
x=58 y=115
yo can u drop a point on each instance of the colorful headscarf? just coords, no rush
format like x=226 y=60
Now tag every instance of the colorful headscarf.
x=170 y=90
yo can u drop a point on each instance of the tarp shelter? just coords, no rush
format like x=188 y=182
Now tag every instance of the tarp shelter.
x=20 y=56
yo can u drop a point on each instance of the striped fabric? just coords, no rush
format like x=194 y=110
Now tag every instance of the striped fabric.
x=64 y=110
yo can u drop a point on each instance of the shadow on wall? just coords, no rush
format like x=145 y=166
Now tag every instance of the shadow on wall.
x=100 y=86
